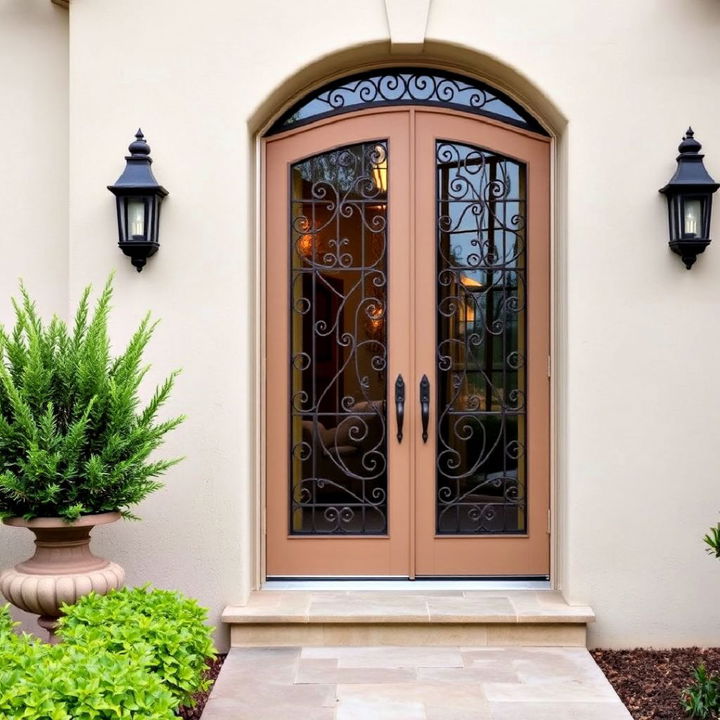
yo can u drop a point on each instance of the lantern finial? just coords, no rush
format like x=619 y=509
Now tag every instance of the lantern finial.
x=139 y=146
x=689 y=144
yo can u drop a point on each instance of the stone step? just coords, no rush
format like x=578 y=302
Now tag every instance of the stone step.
x=285 y=618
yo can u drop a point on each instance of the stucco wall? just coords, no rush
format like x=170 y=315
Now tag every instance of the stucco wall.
x=33 y=171
x=637 y=402
x=637 y=441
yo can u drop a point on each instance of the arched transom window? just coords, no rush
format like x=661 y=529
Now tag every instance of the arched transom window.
x=406 y=86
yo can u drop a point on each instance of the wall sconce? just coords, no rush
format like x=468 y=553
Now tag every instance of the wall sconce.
x=138 y=197
x=689 y=195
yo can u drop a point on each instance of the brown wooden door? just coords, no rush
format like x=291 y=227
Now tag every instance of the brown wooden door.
x=407 y=243
x=482 y=478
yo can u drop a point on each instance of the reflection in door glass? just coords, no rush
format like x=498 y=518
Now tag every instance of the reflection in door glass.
x=481 y=421
x=338 y=329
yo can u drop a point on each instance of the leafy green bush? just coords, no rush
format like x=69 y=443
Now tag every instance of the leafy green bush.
x=162 y=630
x=59 y=682
x=73 y=439
x=702 y=698
x=6 y=623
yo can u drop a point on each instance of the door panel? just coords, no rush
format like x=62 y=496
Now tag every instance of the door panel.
x=338 y=488
x=482 y=479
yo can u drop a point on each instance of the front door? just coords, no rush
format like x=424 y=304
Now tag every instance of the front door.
x=407 y=314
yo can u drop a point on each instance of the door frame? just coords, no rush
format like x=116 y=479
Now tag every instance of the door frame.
x=258 y=150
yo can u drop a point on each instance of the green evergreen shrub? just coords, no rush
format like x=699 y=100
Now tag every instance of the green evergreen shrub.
x=39 y=681
x=163 y=630
x=73 y=438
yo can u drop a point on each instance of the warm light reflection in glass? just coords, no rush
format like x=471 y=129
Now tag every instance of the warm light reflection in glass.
x=468 y=309
x=379 y=172
x=305 y=241
x=305 y=245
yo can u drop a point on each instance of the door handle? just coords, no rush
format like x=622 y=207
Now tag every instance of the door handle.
x=400 y=406
x=425 y=406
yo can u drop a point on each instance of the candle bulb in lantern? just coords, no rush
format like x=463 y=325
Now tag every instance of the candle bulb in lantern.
x=136 y=218
x=691 y=223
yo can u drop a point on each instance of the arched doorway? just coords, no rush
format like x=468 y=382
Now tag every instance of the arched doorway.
x=407 y=397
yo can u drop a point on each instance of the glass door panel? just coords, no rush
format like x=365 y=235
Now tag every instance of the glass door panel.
x=480 y=234
x=338 y=346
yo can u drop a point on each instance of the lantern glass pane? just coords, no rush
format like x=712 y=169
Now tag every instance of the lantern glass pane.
x=136 y=218
x=692 y=217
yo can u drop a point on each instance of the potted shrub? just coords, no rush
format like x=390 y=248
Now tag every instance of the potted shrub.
x=75 y=447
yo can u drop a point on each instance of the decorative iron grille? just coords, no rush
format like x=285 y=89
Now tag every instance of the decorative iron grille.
x=338 y=327
x=406 y=86
x=481 y=278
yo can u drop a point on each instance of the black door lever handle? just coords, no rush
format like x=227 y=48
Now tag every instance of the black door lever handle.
x=425 y=406
x=400 y=406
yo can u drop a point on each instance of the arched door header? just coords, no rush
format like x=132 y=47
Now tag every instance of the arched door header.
x=406 y=86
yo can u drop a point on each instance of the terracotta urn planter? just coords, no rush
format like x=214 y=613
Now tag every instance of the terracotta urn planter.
x=62 y=569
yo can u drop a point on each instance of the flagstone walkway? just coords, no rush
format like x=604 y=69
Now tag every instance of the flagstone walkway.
x=412 y=683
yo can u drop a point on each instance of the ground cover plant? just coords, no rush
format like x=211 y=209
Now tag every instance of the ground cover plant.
x=39 y=681
x=134 y=653
x=164 y=630
x=194 y=712
x=74 y=439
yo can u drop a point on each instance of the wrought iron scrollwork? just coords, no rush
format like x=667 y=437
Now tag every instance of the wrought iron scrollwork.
x=406 y=86
x=338 y=463
x=481 y=248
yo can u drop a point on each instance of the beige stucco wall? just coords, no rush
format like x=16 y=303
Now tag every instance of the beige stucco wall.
x=635 y=350
x=635 y=347
x=33 y=171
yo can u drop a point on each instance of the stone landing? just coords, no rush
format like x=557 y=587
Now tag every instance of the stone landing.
x=412 y=683
x=294 y=618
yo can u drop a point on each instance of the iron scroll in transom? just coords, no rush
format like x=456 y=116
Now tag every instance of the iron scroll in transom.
x=406 y=86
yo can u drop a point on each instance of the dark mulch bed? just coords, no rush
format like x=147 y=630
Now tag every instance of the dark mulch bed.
x=194 y=713
x=649 y=682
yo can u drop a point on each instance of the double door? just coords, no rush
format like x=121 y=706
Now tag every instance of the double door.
x=407 y=338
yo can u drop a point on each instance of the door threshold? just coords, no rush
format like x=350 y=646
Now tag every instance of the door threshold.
x=399 y=583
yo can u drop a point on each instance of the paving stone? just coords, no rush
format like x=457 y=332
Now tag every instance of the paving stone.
x=412 y=683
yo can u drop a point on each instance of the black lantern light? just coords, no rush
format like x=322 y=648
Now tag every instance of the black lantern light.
x=689 y=195
x=138 y=198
